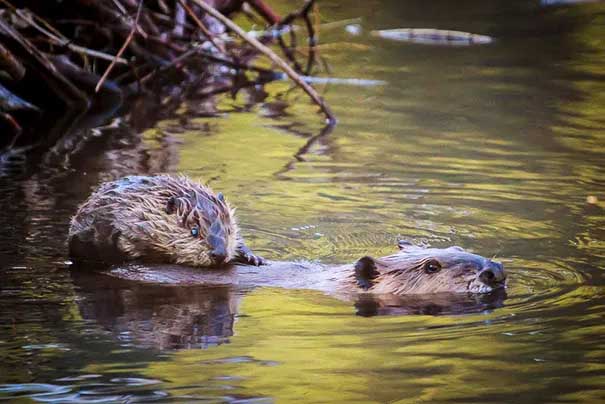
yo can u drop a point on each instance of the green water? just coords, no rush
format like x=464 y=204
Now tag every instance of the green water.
x=498 y=148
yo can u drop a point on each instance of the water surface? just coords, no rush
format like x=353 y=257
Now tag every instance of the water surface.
x=498 y=148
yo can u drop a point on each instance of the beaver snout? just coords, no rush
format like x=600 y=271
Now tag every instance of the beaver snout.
x=493 y=274
x=218 y=257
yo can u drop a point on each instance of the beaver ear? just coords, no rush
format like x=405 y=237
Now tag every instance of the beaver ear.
x=173 y=204
x=220 y=197
x=365 y=272
x=404 y=244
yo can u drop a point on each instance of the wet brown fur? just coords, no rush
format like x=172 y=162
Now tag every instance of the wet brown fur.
x=404 y=273
x=401 y=274
x=131 y=218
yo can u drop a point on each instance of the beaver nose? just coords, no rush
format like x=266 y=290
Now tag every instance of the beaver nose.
x=492 y=274
x=218 y=257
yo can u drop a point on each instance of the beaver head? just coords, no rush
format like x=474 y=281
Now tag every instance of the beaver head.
x=417 y=270
x=204 y=228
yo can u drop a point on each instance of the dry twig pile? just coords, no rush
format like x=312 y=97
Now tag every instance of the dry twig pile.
x=65 y=54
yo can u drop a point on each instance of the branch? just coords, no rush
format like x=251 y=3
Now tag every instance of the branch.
x=9 y=63
x=272 y=56
x=25 y=16
x=201 y=26
x=122 y=49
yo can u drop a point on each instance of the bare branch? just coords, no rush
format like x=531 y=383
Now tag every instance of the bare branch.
x=272 y=56
x=122 y=49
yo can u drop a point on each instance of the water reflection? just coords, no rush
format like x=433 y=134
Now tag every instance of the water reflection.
x=147 y=314
x=442 y=304
x=157 y=316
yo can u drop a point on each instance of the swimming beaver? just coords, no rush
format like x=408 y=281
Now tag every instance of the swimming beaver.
x=162 y=219
x=411 y=271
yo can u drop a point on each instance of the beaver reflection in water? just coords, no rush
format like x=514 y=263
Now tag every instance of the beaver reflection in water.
x=162 y=219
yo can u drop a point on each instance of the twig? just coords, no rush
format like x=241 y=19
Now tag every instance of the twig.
x=265 y=11
x=64 y=42
x=122 y=49
x=312 y=42
x=174 y=63
x=236 y=64
x=17 y=129
x=56 y=81
x=292 y=16
x=201 y=26
x=272 y=56
x=120 y=6
x=9 y=63
x=288 y=51
x=198 y=51
x=179 y=20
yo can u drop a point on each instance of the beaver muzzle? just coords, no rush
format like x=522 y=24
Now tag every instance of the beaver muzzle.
x=491 y=276
x=218 y=244
x=219 y=257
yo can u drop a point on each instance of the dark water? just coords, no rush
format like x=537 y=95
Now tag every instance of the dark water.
x=498 y=148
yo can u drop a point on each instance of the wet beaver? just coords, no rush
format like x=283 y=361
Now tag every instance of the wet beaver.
x=162 y=219
x=412 y=270
x=143 y=301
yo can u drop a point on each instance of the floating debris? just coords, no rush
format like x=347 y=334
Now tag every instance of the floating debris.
x=353 y=29
x=565 y=2
x=431 y=36
x=337 y=80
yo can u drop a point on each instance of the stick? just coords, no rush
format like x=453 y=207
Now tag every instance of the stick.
x=69 y=93
x=312 y=41
x=17 y=129
x=64 y=42
x=272 y=56
x=122 y=49
x=287 y=20
x=179 y=20
x=265 y=11
x=202 y=27
x=12 y=66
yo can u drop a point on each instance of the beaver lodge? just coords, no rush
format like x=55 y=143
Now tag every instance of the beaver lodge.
x=82 y=57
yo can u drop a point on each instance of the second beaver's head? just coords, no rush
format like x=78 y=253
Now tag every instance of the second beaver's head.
x=417 y=270
x=205 y=232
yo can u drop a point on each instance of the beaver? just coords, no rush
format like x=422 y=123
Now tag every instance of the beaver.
x=143 y=300
x=413 y=270
x=160 y=219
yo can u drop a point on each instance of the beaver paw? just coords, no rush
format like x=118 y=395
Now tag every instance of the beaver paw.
x=251 y=259
x=246 y=256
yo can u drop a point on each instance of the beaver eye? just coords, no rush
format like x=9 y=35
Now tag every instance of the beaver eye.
x=195 y=232
x=432 y=266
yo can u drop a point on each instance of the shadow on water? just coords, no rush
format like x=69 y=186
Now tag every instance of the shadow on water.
x=157 y=317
